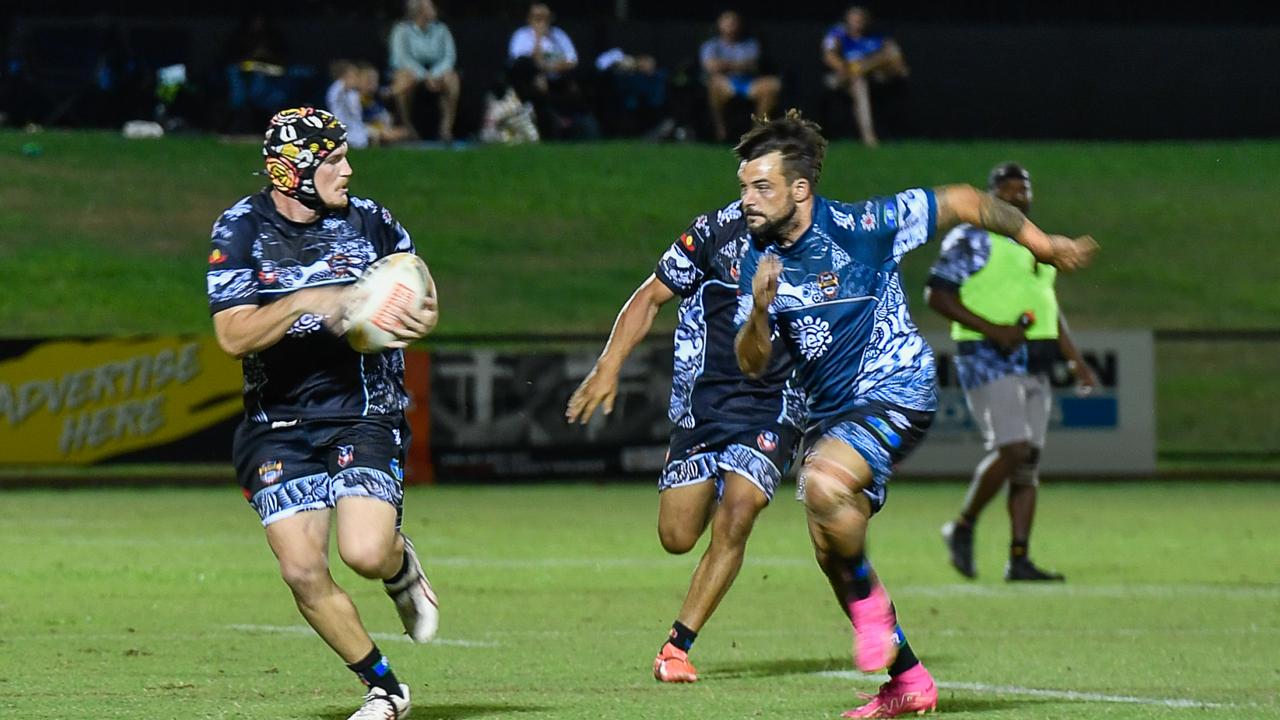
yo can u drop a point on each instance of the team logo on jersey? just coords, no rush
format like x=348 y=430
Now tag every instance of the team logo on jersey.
x=767 y=441
x=216 y=257
x=868 y=219
x=342 y=264
x=829 y=283
x=687 y=241
x=812 y=335
x=346 y=455
x=270 y=472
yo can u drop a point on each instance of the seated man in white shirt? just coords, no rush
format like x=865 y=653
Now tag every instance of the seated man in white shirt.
x=542 y=59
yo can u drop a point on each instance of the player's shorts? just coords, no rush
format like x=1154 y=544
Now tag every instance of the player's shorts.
x=289 y=467
x=759 y=453
x=882 y=433
x=741 y=85
x=1011 y=409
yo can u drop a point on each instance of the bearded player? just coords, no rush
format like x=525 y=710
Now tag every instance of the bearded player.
x=823 y=275
x=734 y=436
x=324 y=434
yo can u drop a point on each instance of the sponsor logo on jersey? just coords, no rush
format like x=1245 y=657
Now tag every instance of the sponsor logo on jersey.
x=812 y=335
x=829 y=283
x=270 y=472
x=267 y=273
x=890 y=436
x=346 y=455
x=890 y=217
x=767 y=440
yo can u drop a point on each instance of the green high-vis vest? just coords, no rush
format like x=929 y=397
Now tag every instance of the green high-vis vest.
x=1011 y=283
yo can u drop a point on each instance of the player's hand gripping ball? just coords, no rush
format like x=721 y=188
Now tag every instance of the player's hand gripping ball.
x=390 y=287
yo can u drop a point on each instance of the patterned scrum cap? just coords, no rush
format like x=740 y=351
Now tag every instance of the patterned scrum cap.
x=296 y=142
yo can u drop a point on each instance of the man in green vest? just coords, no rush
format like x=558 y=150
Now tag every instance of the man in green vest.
x=1009 y=332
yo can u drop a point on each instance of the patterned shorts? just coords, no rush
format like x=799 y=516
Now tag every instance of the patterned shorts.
x=882 y=433
x=760 y=453
x=289 y=467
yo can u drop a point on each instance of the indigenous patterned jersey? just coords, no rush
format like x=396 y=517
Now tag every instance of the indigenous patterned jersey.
x=259 y=257
x=701 y=267
x=840 y=306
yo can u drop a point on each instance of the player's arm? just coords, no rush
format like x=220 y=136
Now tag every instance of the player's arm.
x=965 y=204
x=831 y=58
x=945 y=300
x=1086 y=380
x=753 y=345
x=246 y=329
x=600 y=387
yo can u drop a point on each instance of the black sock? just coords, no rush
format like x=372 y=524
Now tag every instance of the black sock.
x=859 y=577
x=1018 y=549
x=375 y=671
x=906 y=658
x=404 y=568
x=681 y=636
x=965 y=522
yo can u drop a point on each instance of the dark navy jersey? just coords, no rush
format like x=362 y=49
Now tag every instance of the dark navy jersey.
x=259 y=257
x=841 y=309
x=701 y=267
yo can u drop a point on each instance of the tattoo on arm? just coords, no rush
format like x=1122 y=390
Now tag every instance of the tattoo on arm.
x=1000 y=217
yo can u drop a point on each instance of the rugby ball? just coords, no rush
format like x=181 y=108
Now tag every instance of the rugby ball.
x=387 y=288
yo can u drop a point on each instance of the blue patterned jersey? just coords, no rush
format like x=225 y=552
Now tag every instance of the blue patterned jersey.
x=966 y=250
x=840 y=308
x=702 y=267
x=259 y=257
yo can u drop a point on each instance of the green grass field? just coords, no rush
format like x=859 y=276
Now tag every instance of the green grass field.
x=165 y=604
x=554 y=237
x=108 y=235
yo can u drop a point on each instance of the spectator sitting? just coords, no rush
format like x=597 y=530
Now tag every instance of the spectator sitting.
x=423 y=56
x=732 y=65
x=378 y=120
x=854 y=56
x=637 y=91
x=542 y=60
x=343 y=100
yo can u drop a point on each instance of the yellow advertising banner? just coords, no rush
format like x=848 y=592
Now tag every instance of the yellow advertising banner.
x=81 y=401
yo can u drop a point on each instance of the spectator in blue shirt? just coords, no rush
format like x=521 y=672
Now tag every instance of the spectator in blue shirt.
x=856 y=56
x=423 y=57
x=732 y=66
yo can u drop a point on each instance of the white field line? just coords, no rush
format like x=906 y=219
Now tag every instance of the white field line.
x=1074 y=695
x=390 y=637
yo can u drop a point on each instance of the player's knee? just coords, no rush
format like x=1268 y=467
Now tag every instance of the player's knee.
x=827 y=486
x=1028 y=472
x=367 y=558
x=677 y=539
x=306 y=580
x=1017 y=454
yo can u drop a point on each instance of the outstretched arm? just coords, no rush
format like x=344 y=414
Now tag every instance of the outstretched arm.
x=753 y=344
x=600 y=387
x=965 y=204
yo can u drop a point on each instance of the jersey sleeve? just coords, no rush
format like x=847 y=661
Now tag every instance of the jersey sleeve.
x=831 y=41
x=682 y=268
x=964 y=252
x=230 y=277
x=912 y=217
x=386 y=233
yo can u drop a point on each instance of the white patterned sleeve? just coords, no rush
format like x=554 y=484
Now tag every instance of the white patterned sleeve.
x=917 y=221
